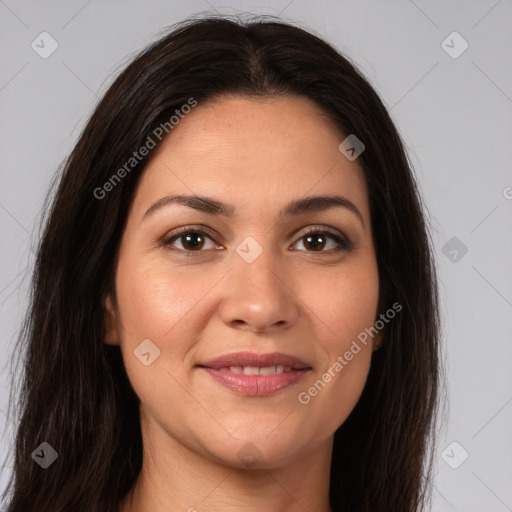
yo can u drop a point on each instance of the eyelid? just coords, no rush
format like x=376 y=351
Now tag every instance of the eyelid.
x=319 y=228
x=193 y=228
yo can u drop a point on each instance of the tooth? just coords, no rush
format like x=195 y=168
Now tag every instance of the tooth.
x=251 y=370
x=267 y=370
x=279 y=368
x=287 y=368
x=236 y=369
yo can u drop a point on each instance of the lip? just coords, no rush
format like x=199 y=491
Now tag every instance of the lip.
x=254 y=359
x=255 y=385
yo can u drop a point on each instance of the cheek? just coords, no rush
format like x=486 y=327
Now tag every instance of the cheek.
x=343 y=301
x=169 y=307
x=346 y=307
x=338 y=382
x=166 y=308
x=156 y=303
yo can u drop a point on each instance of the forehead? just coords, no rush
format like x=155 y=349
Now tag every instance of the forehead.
x=264 y=151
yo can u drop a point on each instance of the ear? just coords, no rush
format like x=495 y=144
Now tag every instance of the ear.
x=111 y=327
x=378 y=340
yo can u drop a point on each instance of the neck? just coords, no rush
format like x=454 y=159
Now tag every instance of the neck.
x=176 y=478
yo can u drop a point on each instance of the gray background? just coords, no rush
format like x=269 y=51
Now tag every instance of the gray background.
x=454 y=114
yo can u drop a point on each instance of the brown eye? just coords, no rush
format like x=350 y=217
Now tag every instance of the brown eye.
x=317 y=241
x=190 y=241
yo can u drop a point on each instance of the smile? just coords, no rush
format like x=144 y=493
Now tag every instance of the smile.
x=252 y=374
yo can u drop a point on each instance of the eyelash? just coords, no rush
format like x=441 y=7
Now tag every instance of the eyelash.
x=343 y=244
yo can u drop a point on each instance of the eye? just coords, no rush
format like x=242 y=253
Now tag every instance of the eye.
x=318 y=240
x=194 y=240
x=191 y=240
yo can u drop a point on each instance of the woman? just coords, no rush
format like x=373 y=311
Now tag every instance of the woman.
x=234 y=303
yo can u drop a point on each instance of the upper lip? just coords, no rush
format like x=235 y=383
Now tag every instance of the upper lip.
x=256 y=360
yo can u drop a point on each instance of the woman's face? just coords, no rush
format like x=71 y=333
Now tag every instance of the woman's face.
x=246 y=285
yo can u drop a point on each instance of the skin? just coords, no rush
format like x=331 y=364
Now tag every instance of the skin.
x=258 y=155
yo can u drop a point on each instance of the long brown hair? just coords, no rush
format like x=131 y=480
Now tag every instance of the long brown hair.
x=74 y=391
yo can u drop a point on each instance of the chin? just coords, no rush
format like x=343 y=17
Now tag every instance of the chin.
x=256 y=449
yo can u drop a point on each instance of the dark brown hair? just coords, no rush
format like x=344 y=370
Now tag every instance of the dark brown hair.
x=74 y=391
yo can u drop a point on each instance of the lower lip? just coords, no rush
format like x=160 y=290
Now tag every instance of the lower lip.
x=256 y=385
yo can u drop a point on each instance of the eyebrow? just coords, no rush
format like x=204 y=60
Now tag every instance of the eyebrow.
x=294 y=208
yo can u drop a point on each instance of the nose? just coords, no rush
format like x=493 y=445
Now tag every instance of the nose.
x=259 y=296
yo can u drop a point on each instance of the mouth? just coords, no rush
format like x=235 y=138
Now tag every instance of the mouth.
x=251 y=374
